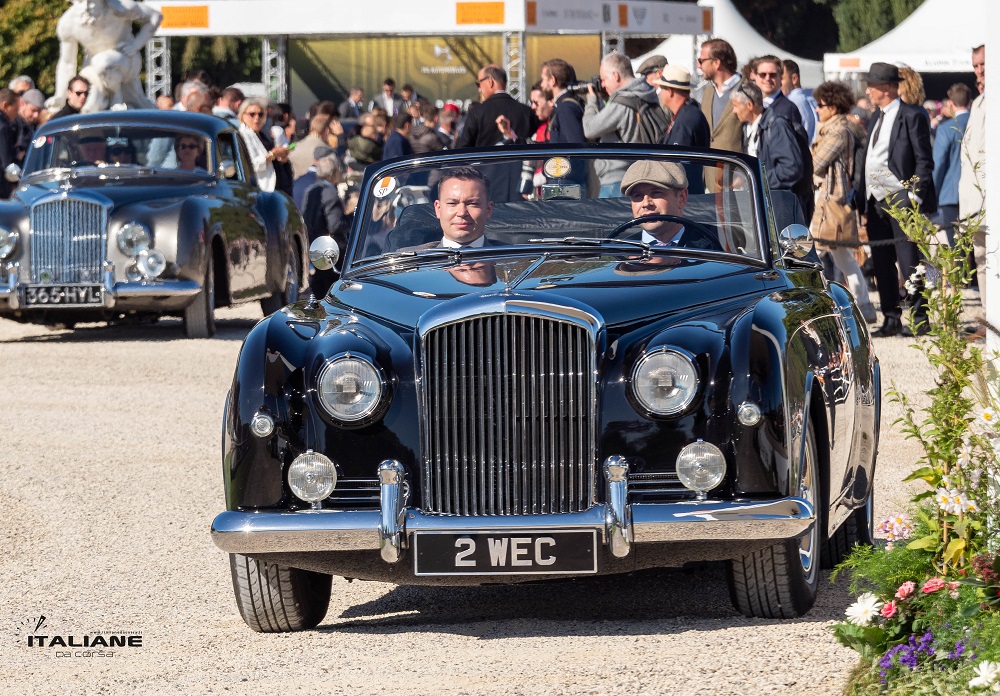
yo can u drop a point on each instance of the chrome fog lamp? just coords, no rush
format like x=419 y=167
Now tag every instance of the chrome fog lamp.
x=151 y=263
x=701 y=467
x=665 y=382
x=8 y=240
x=133 y=238
x=133 y=274
x=349 y=388
x=262 y=425
x=312 y=477
x=748 y=414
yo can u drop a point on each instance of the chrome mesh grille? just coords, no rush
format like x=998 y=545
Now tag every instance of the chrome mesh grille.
x=68 y=241
x=508 y=416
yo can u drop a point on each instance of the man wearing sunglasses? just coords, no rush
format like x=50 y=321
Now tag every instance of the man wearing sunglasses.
x=76 y=97
x=768 y=77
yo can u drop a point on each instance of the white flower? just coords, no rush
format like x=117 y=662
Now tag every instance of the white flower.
x=987 y=673
x=971 y=506
x=865 y=610
x=911 y=289
x=964 y=455
x=988 y=417
x=895 y=527
x=947 y=482
x=920 y=270
x=974 y=477
x=943 y=498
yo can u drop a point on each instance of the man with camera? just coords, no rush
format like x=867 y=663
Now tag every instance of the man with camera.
x=566 y=123
x=632 y=114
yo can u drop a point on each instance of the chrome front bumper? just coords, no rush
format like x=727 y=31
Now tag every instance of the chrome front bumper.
x=621 y=525
x=114 y=291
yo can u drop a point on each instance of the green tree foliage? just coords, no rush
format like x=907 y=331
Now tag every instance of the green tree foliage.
x=863 y=21
x=805 y=28
x=227 y=60
x=28 y=44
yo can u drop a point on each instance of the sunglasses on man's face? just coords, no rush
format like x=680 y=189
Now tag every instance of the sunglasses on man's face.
x=81 y=94
x=768 y=75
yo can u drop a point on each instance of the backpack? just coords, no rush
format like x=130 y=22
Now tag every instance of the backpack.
x=649 y=116
x=857 y=194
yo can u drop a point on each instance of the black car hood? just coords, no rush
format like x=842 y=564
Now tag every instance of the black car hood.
x=118 y=191
x=622 y=289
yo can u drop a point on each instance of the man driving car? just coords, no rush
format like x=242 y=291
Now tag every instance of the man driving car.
x=660 y=188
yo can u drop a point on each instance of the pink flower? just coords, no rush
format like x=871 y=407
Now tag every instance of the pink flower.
x=889 y=609
x=932 y=585
x=906 y=589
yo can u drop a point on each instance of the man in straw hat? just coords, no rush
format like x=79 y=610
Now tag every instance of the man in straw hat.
x=689 y=127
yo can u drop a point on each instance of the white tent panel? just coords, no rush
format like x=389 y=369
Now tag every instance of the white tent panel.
x=730 y=25
x=937 y=37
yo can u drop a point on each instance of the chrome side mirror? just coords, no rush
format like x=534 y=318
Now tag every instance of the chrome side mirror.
x=227 y=169
x=323 y=253
x=12 y=173
x=796 y=243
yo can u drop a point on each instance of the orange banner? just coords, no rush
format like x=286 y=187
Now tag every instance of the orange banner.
x=479 y=12
x=184 y=17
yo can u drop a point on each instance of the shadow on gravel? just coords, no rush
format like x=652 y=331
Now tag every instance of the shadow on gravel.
x=159 y=332
x=641 y=603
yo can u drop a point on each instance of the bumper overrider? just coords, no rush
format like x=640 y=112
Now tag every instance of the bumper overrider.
x=617 y=523
x=112 y=291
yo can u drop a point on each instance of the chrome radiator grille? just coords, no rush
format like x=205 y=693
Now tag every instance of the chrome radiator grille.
x=68 y=241
x=508 y=421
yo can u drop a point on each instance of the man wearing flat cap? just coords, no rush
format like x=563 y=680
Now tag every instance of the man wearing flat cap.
x=655 y=187
x=898 y=150
x=652 y=68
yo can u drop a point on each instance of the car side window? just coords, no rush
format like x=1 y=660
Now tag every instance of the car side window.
x=229 y=150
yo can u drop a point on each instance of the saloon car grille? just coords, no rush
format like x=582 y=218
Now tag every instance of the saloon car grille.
x=508 y=420
x=68 y=241
x=660 y=487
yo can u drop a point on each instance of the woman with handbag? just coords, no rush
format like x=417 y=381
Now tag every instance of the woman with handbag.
x=835 y=223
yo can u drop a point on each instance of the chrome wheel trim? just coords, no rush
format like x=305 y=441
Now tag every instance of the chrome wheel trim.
x=292 y=284
x=809 y=544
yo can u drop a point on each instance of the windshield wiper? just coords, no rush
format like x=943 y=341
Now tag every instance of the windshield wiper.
x=592 y=241
x=393 y=257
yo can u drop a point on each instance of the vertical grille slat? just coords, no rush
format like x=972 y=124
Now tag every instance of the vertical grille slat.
x=508 y=403
x=68 y=242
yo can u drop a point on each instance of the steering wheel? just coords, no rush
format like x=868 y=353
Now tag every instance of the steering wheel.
x=699 y=227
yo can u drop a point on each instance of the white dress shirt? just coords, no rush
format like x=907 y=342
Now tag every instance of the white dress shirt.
x=879 y=181
x=452 y=244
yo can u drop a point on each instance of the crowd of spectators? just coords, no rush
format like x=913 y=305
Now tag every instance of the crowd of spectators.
x=829 y=146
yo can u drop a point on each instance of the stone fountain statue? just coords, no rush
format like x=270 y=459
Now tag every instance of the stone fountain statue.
x=112 y=60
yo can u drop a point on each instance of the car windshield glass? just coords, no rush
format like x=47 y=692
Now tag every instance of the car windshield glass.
x=693 y=204
x=123 y=147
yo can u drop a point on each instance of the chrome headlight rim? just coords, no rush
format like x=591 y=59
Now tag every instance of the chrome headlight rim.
x=378 y=404
x=635 y=374
x=134 y=226
x=8 y=242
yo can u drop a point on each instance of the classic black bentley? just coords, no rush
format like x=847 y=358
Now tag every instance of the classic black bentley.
x=513 y=383
x=138 y=214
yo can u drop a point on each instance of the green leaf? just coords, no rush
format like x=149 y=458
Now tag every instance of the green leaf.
x=954 y=550
x=926 y=542
x=926 y=473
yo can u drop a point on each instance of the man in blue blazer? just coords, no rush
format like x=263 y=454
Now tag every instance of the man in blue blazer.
x=898 y=151
x=948 y=155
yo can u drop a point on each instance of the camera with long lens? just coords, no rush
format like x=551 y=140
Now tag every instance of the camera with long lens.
x=581 y=87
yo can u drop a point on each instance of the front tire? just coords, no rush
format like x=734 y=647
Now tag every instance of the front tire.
x=857 y=530
x=199 y=316
x=780 y=581
x=275 y=599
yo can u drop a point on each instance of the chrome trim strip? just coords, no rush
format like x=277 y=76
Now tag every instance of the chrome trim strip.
x=339 y=530
x=391 y=523
x=10 y=291
x=618 y=518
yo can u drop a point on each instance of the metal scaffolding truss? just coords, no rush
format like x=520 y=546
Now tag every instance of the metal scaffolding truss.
x=513 y=52
x=612 y=42
x=274 y=50
x=158 y=67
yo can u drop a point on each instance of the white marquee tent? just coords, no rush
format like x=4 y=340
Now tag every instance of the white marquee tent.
x=937 y=37
x=730 y=25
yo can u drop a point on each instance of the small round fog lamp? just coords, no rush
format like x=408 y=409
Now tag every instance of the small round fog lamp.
x=701 y=467
x=151 y=263
x=748 y=414
x=312 y=477
x=262 y=425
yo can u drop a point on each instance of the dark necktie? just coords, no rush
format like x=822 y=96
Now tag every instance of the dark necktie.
x=878 y=127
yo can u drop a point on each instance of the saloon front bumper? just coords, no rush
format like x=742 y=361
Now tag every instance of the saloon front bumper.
x=619 y=524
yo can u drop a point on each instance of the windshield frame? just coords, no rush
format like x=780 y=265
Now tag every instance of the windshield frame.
x=356 y=266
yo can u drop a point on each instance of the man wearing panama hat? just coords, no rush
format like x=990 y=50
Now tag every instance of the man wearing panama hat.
x=898 y=150
x=689 y=127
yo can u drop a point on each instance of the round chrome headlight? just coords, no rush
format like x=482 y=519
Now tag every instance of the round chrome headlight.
x=312 y=477
x=8 y=240
x=701 y=466
x=151 y=263
x=134 y=238
x=349 y=388
x=665 y=382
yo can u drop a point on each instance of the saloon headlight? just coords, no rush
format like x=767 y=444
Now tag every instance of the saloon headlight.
x=349 y=388
x=665 y=382
x=701 y=466
x=8 y=240
x=312 y=477
x=133 y=238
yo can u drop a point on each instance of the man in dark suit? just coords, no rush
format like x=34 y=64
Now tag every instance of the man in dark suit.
x=898 y=150
x=768 y=78
x=352 y=107
x=655 y=187
x=463 y=207
x=10 y=104
x=480 y=128
x=323 y=213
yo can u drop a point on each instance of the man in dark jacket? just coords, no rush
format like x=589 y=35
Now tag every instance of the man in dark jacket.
x=566 y=123
x=769 y=137
x=424 y=136
x=76 y=97
x=10 y=103
x=323 y=213
x=398 y=142
x=768 y=78
x=689 y=127
x=480 y=128
x=898 y=150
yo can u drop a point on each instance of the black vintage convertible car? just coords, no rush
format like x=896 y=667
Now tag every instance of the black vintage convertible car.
x=139 y=214
x=524 y=384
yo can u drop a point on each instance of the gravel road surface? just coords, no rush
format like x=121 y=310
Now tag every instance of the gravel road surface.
x=111 y=441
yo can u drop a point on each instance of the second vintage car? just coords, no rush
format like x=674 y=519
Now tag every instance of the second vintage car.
x=501 y=389
x=140 y=214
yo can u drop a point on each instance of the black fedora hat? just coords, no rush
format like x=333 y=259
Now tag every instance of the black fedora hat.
x=881 y=73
